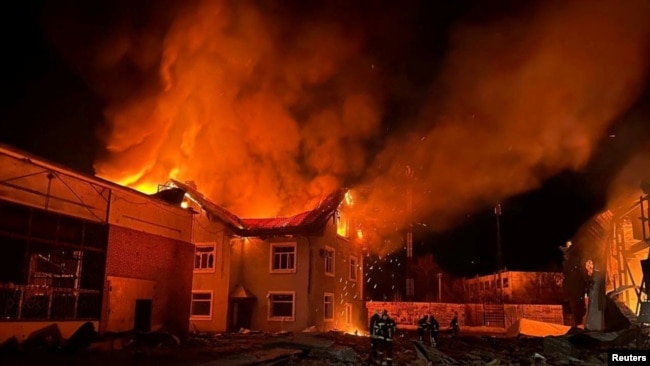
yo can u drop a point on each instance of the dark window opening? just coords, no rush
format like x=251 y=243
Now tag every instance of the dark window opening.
x=51 y=265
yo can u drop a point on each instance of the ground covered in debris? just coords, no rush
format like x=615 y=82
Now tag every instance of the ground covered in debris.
x=256 y=348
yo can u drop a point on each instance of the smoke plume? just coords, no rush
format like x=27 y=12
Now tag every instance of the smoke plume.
x=523 y=98
x=269 y=109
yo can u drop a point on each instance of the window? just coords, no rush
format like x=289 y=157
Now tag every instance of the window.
x=505 y=282
x=353 y=268
x=342 y=224
x=281 y=305
x=283 y=258
x=201 y=305
x=328 y=306
x=204 y=257
x=348 y=313
x=329 y=261
x=52 y=265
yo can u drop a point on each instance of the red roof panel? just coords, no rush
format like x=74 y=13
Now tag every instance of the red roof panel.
x=307 y=222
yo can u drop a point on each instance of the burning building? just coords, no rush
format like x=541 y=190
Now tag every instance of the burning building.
x=275 y=274
x=76 y=249
x=612 y=245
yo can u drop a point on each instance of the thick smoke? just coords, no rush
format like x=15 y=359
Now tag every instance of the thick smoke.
x=626 y=189
x=267 y=110
x=522 y=99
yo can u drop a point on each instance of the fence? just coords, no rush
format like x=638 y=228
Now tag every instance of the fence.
x=47 y=303
x=494 y=315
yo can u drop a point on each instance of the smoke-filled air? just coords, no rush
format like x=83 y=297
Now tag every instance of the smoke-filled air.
x=267 y=110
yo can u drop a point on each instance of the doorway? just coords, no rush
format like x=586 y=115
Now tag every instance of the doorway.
x=241 y=314
x=142 y=321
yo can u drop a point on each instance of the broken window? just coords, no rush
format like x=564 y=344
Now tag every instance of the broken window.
x=353 y=268
x=329 y=261
x=342 y=224
x=328 y=306
x=283 y=257
x=204 y=257
x=281 y=306
x=201 y=304
x=51 y=265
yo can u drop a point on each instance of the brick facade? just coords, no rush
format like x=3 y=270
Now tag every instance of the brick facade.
x=168 y=262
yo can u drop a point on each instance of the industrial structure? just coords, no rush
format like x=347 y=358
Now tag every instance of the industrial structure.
x=75 y=249
x=616 y=242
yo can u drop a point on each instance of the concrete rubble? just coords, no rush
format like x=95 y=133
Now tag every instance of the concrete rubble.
x=308 y=348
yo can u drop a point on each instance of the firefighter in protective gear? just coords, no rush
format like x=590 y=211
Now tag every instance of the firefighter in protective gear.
x=374 y=334
x=387 y=329
x=423 y=327
x=434 y=328
x=454 y=327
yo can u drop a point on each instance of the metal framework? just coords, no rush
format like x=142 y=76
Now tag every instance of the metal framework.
x=623 y=252
x=24 y=177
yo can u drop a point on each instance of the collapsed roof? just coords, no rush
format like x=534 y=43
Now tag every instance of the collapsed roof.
x=310 y=222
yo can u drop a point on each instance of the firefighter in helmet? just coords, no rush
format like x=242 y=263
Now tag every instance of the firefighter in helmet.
x=387 y=328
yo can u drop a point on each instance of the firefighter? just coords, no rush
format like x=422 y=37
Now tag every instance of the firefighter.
x=455 y=328
x=387 y=328
x=374 y=334
x=423 y=326
x=434 y=328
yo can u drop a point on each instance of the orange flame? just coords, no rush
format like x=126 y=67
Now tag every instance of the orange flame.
x=269 y=110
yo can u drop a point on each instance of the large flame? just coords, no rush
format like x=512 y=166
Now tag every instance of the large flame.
x=268 y=108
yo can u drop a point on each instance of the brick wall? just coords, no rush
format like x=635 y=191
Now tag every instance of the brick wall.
x=169 y=262
x=408 y=313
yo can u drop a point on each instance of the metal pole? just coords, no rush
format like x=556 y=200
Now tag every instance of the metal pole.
x=439 y=287
x=497 y=213
x=410 y=281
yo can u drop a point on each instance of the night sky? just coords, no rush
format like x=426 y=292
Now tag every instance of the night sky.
x=51 y=106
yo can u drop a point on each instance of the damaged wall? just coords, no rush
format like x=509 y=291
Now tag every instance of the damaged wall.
x=146 y=240
x=613 y=240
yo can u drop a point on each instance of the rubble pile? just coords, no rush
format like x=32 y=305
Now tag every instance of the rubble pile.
x=312 y=348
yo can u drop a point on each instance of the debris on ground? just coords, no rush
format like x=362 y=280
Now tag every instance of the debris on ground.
x=250 y=347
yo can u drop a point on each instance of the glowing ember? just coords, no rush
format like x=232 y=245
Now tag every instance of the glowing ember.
x=348 y=198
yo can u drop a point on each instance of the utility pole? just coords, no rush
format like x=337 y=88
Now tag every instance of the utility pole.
x=497 y=213
x=410 y=281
